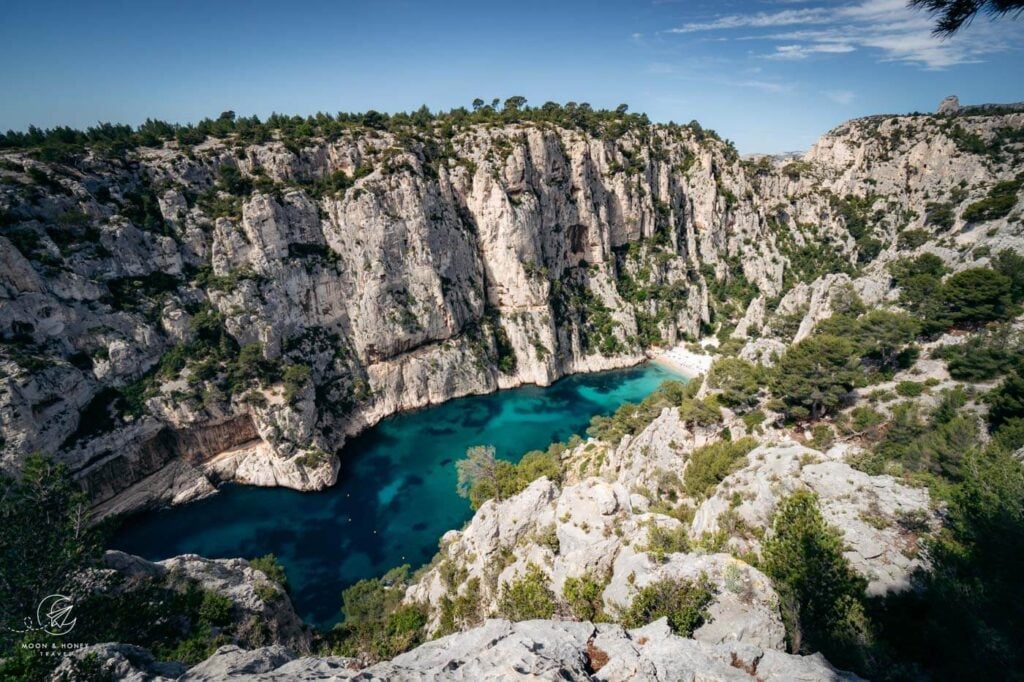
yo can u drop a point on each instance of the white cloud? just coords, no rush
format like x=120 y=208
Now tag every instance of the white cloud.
x=789 y=17
x=839 y=96
x=766 y=86
x=888 y=28
x=795 y=52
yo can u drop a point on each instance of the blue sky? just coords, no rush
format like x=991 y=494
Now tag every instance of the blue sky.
x=771 y=75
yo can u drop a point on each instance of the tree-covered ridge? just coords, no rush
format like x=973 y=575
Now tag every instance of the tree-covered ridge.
x=63 y=142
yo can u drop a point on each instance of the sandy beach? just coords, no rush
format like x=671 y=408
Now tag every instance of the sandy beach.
x=686 y=362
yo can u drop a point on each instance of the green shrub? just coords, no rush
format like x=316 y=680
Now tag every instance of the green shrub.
x=822 y=437
x=582 y=595
x=312 y=458
x=821 y=595
x=460 y=610
x=43 y=539
x=883 y=335
x=232 y=181
x=403 y=630
x=1009 y=435
x=267 y=593
x=1006 y=401
x=528 y=597
x=1010 y=264
x=710 y=464
x=863 y=419
x=481 y=476
x=700 y=411
x=925 y=264
x=753 y=419
x=814 y=376
x=911 y=239
x=631 y=418
x=195 y=648
x=965 y=618
x=937 y=446
x=909 y=389
x=215 y=609
x=295 y=378
x=977 y=295
x=271 y=567
x=740 y=381
x=948 y=407
x=940 y=214
x=1001 y=199
x=682 y=602
x=941 y=449
x=984 y=355
x=376 y=624
x=44 y=547
x=662 y=540
x=537 y=464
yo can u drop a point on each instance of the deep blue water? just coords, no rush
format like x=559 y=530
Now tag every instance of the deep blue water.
x=395 y=495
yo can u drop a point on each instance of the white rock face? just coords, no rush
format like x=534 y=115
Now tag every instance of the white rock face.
x=752 y=320
x=949 y=105
x=746 y=608
x=867 y=509
x=597 y=533
x=257 y=464
x=421 y=282
x=121 y=662
x=500 y=650
x=763 y=351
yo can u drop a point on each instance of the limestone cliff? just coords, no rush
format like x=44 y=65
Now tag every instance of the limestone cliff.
x=177 y=316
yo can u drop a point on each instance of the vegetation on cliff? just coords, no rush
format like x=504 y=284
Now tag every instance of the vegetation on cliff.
x=62 y=143
x=49 y=546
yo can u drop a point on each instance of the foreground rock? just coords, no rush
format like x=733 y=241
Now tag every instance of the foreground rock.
x=261 y=605
x=591 y=529
x=500 y=650
x=881 y=519
x=604 y=524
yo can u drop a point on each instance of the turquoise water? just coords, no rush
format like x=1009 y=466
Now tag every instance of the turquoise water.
x=395 y=495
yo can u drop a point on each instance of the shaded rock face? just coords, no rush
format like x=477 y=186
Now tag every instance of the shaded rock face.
x=500 y=650
x=256 y=597
x=520 y=254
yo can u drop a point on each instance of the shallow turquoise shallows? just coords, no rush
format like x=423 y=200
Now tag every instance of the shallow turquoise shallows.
x=396 y=492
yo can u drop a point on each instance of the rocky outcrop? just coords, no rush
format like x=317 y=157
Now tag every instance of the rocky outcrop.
x=119 y=662
x=602 y=523
x=880 y=518
x=421 y=283
x=948 y=105
x=500 y=650
x=591 y=529
x=259 y=601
